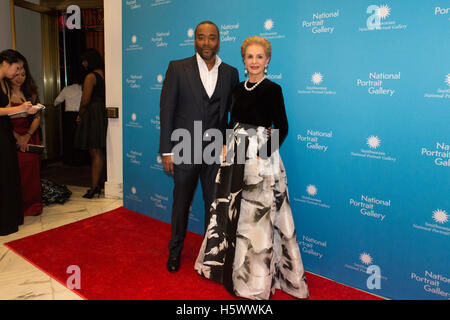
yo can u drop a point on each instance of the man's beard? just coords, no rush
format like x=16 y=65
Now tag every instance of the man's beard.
x=212 y=53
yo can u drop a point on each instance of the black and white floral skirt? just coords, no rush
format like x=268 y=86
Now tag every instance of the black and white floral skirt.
x=250 y=245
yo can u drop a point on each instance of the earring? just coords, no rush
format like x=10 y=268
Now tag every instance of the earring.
x=265 y=70
x=246 y=72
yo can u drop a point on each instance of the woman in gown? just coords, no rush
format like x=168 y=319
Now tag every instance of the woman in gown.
x=92 y=120
x=23 y=88
x=250 y=245
x=11 y=213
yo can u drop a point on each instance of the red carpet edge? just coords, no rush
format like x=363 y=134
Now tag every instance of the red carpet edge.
x=10 y=246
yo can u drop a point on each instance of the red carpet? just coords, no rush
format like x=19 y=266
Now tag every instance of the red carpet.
x=122 y=256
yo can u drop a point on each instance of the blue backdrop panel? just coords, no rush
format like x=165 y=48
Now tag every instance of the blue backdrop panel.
x=367 y=92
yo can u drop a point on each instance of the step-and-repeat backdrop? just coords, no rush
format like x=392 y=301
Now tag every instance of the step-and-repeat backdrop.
x=367 y=91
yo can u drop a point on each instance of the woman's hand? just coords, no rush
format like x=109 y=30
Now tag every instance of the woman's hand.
x=22 y=142
x=26 y=107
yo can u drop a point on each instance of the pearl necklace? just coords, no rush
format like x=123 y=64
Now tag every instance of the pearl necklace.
x=250 y=89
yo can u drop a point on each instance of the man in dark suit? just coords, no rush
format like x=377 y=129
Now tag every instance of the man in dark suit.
x=196 y=89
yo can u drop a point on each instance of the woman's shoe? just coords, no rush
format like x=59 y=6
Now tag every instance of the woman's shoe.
x=91 y=193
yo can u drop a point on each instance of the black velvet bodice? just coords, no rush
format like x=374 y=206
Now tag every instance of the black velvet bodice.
x=263 y=106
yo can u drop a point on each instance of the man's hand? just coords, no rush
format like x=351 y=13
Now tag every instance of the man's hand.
x=167 y=161
x=224 y=153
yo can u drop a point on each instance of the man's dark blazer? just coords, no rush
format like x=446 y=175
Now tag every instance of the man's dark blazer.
x=182 y=99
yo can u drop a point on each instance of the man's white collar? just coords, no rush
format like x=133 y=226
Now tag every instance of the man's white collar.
x=202 y=62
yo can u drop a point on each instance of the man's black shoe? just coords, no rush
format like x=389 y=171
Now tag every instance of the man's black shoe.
x=173 y=264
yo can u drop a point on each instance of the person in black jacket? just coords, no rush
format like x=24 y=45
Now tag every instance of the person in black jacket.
x=199 y=89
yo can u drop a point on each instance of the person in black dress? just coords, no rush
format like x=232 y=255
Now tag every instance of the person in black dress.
x=11 y=212
x=251 y=245
x=92 y=120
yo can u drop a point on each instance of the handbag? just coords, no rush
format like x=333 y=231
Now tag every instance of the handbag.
x=34 y=148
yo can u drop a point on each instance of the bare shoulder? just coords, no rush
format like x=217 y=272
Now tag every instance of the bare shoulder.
x=100 y=72
x=90 y=79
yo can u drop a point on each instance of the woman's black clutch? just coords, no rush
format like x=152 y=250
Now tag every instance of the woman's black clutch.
x=34 y=148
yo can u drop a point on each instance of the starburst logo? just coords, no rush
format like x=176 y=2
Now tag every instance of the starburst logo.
x=440 y=216
x=159 y=159
x=159 y=78
x=447 y=79
x=311 y=190
x=373 y=142
x=190 y=33
x=133 y=190
x=133 y=116
x=383 y=12
x=365 y=258
x=317 y=78
x=268 y=24
x=134 y=39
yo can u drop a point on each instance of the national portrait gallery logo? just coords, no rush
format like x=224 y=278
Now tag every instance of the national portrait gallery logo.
x=134 y=44
x=160 y=201
x=134 y=81
x=375 y=150
x=158 y=82
x=442 y=89
x=432 y=282
x=436 y=223
x=134 y=157
x=379 y=83
x=189 y=38
x=364 y=259
x=228 y=32
x=133 y=4
x=379 y=18
x=315 y=140
x=311 y=197
x=322 y=22
x=367 y=264
x=160 y=39
x=440 y=216
x=133 y=121
x=157 y=164
x=317 y=85
x=132 y=194
x=313 y=247
x=439 y=153
x=371 y=207
x=270 y=30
